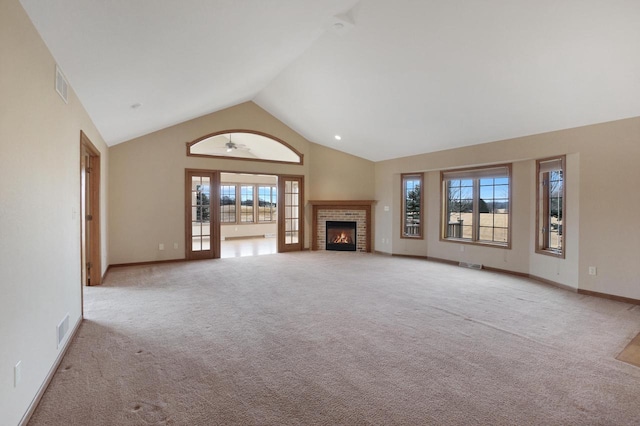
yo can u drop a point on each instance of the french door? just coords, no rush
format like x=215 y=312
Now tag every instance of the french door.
x=290 y=213
x=202 y=190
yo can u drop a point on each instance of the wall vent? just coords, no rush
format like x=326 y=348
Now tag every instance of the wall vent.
x=62 y=330
x=62 y=86
x=470 y=265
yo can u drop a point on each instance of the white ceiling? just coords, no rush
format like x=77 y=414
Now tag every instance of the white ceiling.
x=408 y=77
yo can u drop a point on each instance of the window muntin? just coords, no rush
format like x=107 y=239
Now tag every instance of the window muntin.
x=200 y=213
x=246 y=204
x=267 y=203
x=412 y=205
x=493 y=208
x=227 y=203
x=476 y=205
x=550 y=204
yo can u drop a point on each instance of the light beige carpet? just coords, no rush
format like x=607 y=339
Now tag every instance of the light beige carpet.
x=326 y=338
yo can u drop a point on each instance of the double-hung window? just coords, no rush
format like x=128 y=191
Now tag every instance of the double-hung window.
x=550 y=205
x=476 y=205
x=411 y=206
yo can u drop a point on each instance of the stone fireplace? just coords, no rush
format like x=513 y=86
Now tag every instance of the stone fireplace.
x=357 y=213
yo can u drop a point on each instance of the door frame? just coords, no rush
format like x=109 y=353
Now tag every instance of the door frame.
x=91 y=249
x=214 y=215
x=215 y=211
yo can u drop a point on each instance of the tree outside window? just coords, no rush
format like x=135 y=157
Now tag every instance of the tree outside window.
x=412 y=206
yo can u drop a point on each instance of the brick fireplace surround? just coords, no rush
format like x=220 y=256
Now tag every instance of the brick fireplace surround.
x=341 y=210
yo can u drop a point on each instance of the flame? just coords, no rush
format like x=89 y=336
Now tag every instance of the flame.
x=342 y=238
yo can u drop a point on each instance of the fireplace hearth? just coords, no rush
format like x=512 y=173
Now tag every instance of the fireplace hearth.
x=341 y=235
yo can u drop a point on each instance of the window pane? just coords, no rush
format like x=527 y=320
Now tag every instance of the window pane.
x=459 y=209
x=555 y=193
x=206 y=243
x=246 y=203
x=411 y=206
x=196 y=181
x=500 y=235
x=266 y=203
x=206 y=229
x=196 y=229
x=486 y=233
x=227 y=203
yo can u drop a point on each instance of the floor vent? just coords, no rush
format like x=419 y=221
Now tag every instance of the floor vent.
x=470 y=265
x=62 y=86
x=62 y=330
x=269 y=235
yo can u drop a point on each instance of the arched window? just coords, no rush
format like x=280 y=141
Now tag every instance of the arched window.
x=244 y=145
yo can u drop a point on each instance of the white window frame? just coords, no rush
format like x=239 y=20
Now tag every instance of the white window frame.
x=412 y=230
x=545 y=231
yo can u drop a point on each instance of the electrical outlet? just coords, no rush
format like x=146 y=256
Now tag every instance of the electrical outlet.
x=461 y=248
x=17 y=374
x=593 y=270
x=175 y=246
x=160 y=246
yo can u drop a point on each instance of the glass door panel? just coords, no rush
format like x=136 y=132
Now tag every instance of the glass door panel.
x=290 y=217
x=200 y=229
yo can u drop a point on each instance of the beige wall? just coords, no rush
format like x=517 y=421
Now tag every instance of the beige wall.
x=602 y=175
x=335 y=175
x=39 y=210
x=147 y=179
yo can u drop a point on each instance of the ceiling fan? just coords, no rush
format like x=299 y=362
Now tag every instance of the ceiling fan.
x=230 y=145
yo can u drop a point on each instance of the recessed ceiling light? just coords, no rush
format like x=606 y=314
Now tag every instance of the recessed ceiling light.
x=338 y=137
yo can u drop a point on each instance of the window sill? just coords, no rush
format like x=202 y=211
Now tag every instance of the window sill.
x=412 y=237
x=559 y=254
x=477 y=243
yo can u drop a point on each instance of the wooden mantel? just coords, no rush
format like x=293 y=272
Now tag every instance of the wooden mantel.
x=341 y=205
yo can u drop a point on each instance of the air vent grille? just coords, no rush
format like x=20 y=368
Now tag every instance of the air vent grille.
x=471 y=265
x=62 y=86
x=62 y=330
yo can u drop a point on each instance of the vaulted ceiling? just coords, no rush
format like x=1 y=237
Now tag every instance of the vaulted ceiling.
x=392 y=78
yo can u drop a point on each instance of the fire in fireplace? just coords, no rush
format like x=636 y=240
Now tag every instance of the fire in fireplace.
x=341 y=236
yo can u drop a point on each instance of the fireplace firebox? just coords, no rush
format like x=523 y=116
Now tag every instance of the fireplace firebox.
x=341 y=236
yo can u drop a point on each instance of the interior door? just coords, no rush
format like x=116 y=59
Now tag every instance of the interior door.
x=85 y=207
x=290 y=213
x=90 y=212
x=202 y=228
